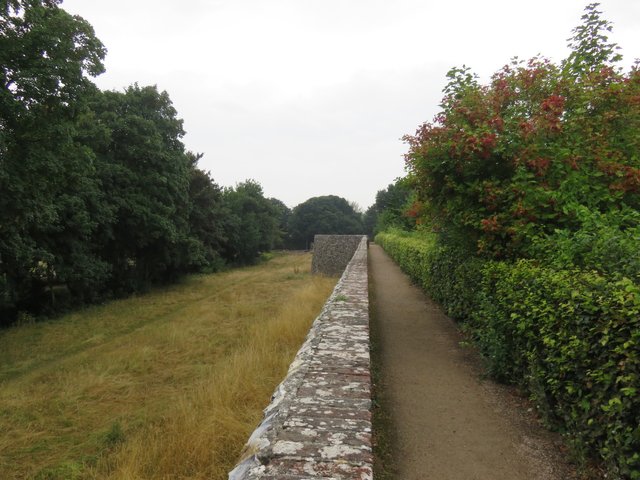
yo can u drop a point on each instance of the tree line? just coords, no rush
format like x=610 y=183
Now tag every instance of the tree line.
x=98 y=195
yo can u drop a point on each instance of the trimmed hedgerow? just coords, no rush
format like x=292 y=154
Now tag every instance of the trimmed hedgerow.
x=411 y=253
x=448 y=273
x=570 y=337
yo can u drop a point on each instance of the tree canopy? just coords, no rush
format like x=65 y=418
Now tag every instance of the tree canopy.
x=395 y=207
x=543 y=154
x=328 y=214
x=50 y=196
x=99 y=196
x=253 y=222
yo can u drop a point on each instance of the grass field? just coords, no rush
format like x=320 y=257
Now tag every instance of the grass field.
x=168 y=385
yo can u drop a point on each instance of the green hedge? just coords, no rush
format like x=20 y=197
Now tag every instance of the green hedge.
x=448 y=274
x=570 y=337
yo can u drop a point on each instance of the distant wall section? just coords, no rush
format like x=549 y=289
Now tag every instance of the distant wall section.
x=332 y=253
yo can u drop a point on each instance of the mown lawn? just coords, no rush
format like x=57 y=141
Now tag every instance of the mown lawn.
x=164 y=385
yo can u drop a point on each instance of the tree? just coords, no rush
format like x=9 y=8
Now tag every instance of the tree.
x=369 y=221
x=143 y=166
x=590 y=50
x=506 y=165
x=394 y=208
x=253 y=223
x=284 y=213
x=49 y=193
x=207 y=220
x=323 y=215
x=45 y=55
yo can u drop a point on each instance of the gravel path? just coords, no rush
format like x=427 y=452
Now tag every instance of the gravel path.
x=450 y=423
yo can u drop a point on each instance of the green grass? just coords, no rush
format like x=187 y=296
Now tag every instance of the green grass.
x=164 y=385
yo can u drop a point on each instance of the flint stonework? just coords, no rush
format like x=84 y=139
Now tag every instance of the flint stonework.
x=318 y=424
x=332 y=253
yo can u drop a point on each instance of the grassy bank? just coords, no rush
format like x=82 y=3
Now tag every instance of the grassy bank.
x=166 y=385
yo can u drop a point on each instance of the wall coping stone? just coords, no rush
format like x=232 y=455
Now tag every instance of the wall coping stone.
x=318 y=424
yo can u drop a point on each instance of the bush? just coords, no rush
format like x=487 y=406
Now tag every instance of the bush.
x=607 y=243
x=505 y=162
x=570 y=337
x=449 y=274
x=409 y=251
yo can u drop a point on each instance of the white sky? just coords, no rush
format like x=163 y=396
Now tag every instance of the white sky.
x=311 y=97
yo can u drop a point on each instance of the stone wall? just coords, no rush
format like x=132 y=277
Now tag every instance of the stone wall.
x=332 y=253
x=318 y=424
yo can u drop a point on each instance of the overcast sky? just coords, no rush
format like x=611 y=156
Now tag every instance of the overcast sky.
x=311 y=97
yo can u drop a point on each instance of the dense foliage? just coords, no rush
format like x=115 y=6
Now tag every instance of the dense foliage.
x=394 y=208
x=328 y=214
x=254 y=222
x=528 y=194
x=542 y=152
x=47 y=180
x=569 y=337
x=98 y=195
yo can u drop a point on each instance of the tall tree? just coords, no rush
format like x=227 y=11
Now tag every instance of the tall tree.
x=47 y=191
x=253 y=225
x=328 y=214
x=545 y=155
x=393 y=208
x=208 y=220
x=590 y=46
x=284 y=213
x=143 y=166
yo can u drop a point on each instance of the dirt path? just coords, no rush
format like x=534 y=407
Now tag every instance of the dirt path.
x=449 y=423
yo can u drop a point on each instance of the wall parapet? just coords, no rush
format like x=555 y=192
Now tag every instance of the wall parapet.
x=318 y=424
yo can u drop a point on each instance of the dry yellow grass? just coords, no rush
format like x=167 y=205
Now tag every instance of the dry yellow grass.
x=166 y=385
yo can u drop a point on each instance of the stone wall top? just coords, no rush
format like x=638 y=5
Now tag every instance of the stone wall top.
x=318 y=424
